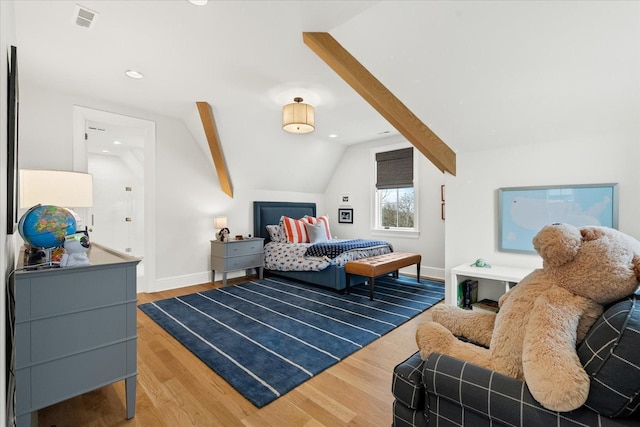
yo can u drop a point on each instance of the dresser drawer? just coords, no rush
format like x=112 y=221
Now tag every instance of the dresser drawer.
x=41 y=295
x=51 y=382
x=60 y=336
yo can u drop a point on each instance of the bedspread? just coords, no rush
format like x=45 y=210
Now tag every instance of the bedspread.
x=291 y=256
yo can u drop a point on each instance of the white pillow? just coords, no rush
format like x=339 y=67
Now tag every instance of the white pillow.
x=276 y=233
x=317 y=232
x=323 y=219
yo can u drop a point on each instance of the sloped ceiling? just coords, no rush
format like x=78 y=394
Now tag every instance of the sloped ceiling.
x=478 y=73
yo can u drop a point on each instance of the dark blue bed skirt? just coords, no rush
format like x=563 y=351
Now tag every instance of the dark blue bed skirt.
x=332 y=277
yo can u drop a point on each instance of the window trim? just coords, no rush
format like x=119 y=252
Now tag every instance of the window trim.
x=394 y=232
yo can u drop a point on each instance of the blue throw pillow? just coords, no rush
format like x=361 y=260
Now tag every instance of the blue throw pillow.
x=610 y=355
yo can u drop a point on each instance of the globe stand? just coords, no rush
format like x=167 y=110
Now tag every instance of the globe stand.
x=39 y=257
x=47 y=255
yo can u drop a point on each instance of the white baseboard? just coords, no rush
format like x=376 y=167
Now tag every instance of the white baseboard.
x=180 y=281
x=425 y=271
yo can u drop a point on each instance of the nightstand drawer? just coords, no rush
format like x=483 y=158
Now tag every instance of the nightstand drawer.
x=242 y=262
x=237 y=248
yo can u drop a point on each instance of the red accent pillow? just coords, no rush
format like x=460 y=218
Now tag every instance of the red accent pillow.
x=295 y=230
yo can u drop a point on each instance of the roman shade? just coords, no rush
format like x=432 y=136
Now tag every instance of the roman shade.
x=394 y=169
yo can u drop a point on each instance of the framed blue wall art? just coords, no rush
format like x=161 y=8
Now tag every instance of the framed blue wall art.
x=523 y=211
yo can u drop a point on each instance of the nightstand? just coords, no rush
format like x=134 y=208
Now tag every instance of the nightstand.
x=236 y=255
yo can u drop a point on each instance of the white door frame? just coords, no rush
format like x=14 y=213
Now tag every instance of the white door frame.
x=80 y=163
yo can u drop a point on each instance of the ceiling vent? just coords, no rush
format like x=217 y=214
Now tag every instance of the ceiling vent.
x=83 y=17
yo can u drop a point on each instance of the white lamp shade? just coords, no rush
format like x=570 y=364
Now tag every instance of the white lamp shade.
x=298 y=118
x=58 y=188
x=220 y=222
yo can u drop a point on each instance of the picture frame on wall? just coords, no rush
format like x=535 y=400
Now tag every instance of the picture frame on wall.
x=345 y=216
x=523 y=211
x=12 y=140
x=345 y=199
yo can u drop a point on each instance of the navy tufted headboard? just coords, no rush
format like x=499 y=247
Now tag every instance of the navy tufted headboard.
x=266 y=213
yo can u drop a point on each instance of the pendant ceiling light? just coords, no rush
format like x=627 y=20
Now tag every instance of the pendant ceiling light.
x=298 y=117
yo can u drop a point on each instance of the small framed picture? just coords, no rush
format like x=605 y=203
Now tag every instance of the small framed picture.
x=345 y=199
x=345 y=216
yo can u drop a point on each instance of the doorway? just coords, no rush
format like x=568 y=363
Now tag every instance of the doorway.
x=119 y=152
x=115 y=158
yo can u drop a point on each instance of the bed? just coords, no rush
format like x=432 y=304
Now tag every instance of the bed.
x=269 y=213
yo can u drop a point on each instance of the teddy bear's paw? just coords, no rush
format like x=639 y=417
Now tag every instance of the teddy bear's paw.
x=474 y=325
x=432 y=337
x=560 y=397
x=556 y=385
x=441 y=312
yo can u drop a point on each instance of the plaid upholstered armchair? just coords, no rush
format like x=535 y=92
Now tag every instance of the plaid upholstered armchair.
x=444 y=391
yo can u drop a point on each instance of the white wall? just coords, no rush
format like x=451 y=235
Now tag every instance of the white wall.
x=582 y=141
x=471 y=226
x=188 y=194
x=353 y=176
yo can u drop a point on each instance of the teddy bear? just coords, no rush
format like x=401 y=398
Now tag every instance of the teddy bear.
x=223 y=235
x=534 y=335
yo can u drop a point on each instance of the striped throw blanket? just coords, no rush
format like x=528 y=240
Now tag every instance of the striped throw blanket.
x=333 y=249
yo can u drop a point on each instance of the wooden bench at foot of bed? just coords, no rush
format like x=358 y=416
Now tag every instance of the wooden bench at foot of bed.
x=381 y=264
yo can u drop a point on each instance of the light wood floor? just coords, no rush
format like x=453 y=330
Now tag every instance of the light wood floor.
x=174 y=388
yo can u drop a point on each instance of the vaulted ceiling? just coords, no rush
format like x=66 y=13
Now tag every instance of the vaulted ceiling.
x=477 y=73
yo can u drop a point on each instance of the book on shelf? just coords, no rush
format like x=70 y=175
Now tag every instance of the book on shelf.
x=467 y=293
x=486 y=305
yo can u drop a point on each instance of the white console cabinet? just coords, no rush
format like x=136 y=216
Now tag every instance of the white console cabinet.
x=492 y=281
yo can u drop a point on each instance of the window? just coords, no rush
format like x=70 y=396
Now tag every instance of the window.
x=395 y=207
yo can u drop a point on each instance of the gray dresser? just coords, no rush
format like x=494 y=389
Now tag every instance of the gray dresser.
x=75 y=331
x=236 y=255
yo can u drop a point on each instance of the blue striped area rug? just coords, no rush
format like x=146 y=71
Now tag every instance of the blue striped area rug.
x=268 y=336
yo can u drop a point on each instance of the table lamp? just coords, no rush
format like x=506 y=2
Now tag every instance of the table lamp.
x=53 y=187
x=219 y=223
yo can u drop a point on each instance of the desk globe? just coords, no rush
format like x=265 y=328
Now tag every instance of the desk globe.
x=45 y=226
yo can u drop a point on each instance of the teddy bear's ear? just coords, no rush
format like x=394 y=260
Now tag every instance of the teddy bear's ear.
x=557 y=244
x=588 y=234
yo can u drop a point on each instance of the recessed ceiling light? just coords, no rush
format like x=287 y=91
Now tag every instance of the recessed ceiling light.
x=117 y=143
x=133 y=74
x=333 y=135
x=198 y=2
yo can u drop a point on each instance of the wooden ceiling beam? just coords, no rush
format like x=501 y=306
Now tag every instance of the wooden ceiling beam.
x=382 y=100
x=211 y=132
